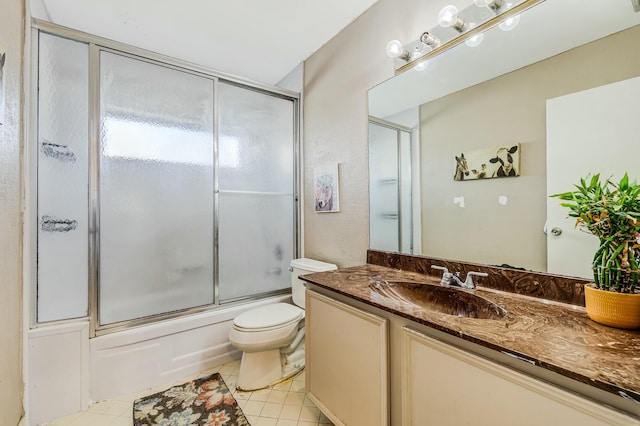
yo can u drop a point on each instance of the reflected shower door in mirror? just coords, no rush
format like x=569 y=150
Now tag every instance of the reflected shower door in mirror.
x=496 y=94
x=390 y=203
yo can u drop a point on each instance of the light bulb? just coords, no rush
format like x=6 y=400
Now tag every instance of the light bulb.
x=396 y=50
x=510 y=23
x=476 y=39
x=448 y=16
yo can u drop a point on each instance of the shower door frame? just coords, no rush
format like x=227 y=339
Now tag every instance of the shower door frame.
x=97 y=44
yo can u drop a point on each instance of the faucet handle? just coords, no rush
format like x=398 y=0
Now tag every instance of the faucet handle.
x=446 y=275
x=442 y=268
x=469 y=281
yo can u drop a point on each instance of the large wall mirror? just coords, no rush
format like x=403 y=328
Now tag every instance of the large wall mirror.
x=563 y=86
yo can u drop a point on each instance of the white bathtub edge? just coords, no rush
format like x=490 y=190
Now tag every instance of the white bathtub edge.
x=134 y=360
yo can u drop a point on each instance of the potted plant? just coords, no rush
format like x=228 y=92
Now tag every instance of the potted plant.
x=611 y=212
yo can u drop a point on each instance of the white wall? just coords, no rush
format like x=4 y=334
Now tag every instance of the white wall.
x=11 y=42
x=336 y=80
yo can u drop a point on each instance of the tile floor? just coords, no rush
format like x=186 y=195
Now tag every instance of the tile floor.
x=284 y=404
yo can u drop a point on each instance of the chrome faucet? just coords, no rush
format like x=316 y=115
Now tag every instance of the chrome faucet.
x=449 y=278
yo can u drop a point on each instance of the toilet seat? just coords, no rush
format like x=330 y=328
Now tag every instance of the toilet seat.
x=268 y=317
x=267 y=327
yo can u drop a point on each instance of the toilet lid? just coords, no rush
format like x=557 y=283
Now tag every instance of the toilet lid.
x=269 y=316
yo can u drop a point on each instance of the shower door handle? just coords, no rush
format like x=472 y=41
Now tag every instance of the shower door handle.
x=53 y=224
x=57 y=151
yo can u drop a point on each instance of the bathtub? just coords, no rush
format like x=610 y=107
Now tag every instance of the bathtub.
x=133 y=360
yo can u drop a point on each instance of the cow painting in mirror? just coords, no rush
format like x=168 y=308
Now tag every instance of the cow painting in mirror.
x=487 y=163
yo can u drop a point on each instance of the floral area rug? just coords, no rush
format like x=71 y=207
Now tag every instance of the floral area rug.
x=204 y=401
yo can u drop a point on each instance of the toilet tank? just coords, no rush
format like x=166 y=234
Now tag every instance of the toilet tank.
x=305 y=266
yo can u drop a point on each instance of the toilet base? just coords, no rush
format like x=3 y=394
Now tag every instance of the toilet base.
x=259 y=370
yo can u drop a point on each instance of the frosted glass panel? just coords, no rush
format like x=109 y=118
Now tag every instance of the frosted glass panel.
x=255 y=141
x=156 y=189
x=256 y=160
x=63 y=80
x=383 y=178
x=256 y=243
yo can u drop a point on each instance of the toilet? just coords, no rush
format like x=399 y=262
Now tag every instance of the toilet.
x=272 y=336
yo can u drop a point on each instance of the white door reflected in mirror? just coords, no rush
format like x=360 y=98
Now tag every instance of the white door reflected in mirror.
x=604 y=121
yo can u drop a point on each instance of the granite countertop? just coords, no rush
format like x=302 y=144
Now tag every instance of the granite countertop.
x=556 y=336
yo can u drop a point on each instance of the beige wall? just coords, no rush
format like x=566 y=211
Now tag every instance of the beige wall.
x=501 y=112
x=11 y=41
x=336 y=81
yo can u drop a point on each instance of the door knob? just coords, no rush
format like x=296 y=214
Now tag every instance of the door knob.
x=555 y=231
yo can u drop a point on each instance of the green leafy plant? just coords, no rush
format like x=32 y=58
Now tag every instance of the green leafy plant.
x=611 y=212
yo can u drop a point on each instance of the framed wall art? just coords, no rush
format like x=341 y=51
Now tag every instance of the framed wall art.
x=488 y=163
x=326 y=185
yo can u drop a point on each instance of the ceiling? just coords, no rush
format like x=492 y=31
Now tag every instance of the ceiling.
x=262 y=40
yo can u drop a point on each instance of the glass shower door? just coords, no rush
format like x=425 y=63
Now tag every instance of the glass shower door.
x=256 y=183
x=162 y=190
x=156 y=186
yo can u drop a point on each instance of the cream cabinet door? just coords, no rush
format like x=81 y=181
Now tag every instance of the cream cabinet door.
x=443 y=385
x=346 y=362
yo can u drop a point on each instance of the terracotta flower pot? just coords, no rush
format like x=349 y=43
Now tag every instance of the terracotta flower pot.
x=620 y=310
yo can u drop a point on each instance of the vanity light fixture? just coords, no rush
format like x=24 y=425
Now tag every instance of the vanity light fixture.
x=449 y=17
x=415 y=55
x=395 y=49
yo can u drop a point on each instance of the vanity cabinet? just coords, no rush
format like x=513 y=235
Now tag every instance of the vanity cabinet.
x=346 y=362
x=444 y=385
x=367 y=366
